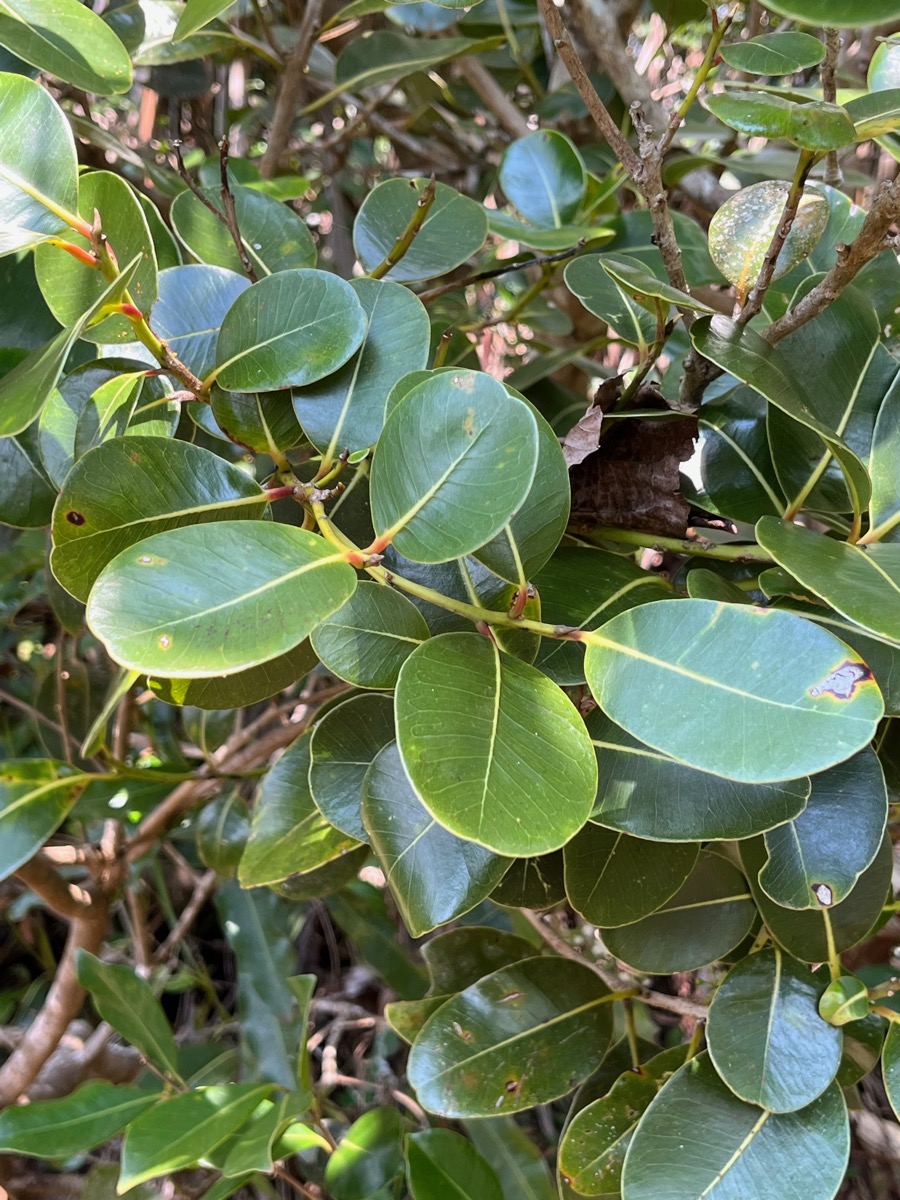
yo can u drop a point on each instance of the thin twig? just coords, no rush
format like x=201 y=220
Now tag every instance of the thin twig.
x=833 y=173
x=35 y=713
x=518 y=264
x=230 y=214
x=290 y=92
x=206 y=885
x=489 y=92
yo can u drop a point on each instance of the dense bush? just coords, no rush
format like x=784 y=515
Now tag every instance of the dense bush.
x=451 y=597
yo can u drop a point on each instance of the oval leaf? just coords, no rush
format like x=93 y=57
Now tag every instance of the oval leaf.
x=69 y=41
x=544 y=176
x=86 y=1118
x=369 y=639
x=774 y=53
x=344 y=742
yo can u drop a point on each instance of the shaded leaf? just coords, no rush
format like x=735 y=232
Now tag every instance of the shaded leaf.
x=87 y=1117
x=543 y=175
x=443 y=1165
x=369 y=1156
x=343 y=744
x=368 y=640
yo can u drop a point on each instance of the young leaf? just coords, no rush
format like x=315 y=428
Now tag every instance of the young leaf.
x=126 y=1002
x=88 y=1117
x=766 y=1038
x=434 y=876
x=544 y=176
x=211 y=600
x=726 y=661
x=709 y=1143
x=343 y=744
x=876 y=114
x=496 y=752
x=443 y=1165
x=112 y=499
x=287 y=330
x=557 y=1021
x=455 y=460
x=369 y=639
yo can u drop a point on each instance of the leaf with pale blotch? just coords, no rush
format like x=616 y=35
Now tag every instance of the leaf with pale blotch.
x=741 y=231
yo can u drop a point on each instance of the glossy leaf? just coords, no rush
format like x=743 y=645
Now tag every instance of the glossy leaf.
x=802 y=932
x=497 y=753
x=241 y=689
x=222 y=830
x=55 y=39
x=774 y=53
x=289 y=835
x=876 y=114
x=26 y=494
x=741 y=231
x=87 y=1117
x=261 y=421
x=863 y=583
x=455 y=460
x=369 y=1156
x=211 y=600
x=754 y=114
x=644 y=288
x=126 y=1001
x=181 y=1130
x=615 y=879
x=765 y=1035
x=70 y=287
x=771 y=715
x=544 y=176
x=434 y=876
x=890 y=1067
x=602 y=296
x=38 y=176
x=710 y=915
x=739 y=479
x=550 y=1019
x=198 y=13
x=846 y=999
x=696 y=1137
x=368 y=640
x=289 y=329
x=884 y=68
x=36 y=795
x=346 y=410
x=460 y=957
x=816 y=859
x=112 y=500
x=821 y=12
x=453 y=230
x=885 y=507
x=536 y=883
x=517 y=1161
x=443 y=1165
x=274 y=237
x=344 y=742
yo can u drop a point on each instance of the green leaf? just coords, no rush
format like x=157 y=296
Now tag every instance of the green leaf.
x=456 y=459
x=593 y=1146
x=343 y=744
x=863 y=583
x=537 y=883
x=754 y=114
x=38 y=175
x=766 y=1038
x=288 y=835
x=550 y=1021
x=460 y=957
x=816 y=859
x=223 y=597
x=125 y=1000
x=547 y=239
x=252 y=1147
x=112 y=500
x=615 y=879
x=497 y=753
x=774 y=53
x=875 y=114
x=739 y=479
x=406 y=1017
x=846 y=999
x=36 y=796
x=261 y=421
x=602 y=296
x=585 y=587
x=69 y=287
x=644 y=288
x=710 y=915
x=67 y=40
x=369 y=639
x=360 y=910
x=443 y=1165
x=863 y=1042
x=453 y=230
x=180 y=1130
x=802 y=932
x=346 y=411
x=890 y=1067
x=273 y=236
x=697 y=1139
x=86 y=1118
x=544 y=176
x=26 y=494
x=518 y=1163
x=884 y=512
x=196 y=14
x=222 y=830
x=433 y=876
x=26 y=388
x=369 y=1156
x=884 y=68
x=726 y=661
x=820 y=126
x=287 y=330
x=742 y=230
x=844 y=15
x=241 y=689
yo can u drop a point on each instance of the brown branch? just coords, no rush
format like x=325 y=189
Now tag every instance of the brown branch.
x=291 y=90
x=230 y=214
x=833 y=173
x=205 y=887
x=489 y=92
x=67 y=900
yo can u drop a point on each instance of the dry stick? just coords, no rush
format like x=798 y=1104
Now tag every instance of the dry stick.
x=833 y=173
x=673 y=1004
x=67 y=900
x=493 y=96
x=206 y=885
x=230 y=214
x=291 y=90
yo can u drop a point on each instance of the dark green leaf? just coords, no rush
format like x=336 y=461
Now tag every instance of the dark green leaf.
x=126 y=1001
x=544 y=176
x=86 y=1118
x=710 y=915
x=602 y=296
x=816 y=859
x=112 y=500
x=368 y=640
x=550 y=1019
x=885 y=507
x=211 y=600
x=774 y=53
x=462 y=956
x=766 y=1037
x=443 y=1165
x=497 y=753
x=697 y=1139
x=536 y=883
x=222 y=830
x=434 y=876
x=241 y=689
x=343 y=744
x=360 y=910
x=517 y=1161
x=26 y=494
x=739 y=480
x=890 y=1066
x=289 y=329
x=261 y=421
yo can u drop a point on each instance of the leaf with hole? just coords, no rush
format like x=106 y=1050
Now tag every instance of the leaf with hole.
x=496 y=751
x=209 y=600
